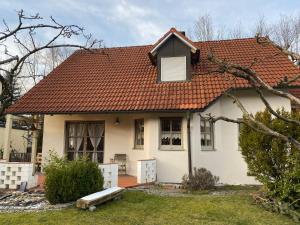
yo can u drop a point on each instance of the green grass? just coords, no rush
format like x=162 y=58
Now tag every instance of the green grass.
x=139 y=208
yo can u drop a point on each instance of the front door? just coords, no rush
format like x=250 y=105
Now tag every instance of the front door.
x=85 y=139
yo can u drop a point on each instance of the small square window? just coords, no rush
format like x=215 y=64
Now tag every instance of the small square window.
x=170 y=133
x=173 y=68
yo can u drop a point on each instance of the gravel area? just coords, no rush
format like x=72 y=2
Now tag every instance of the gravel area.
x=177 y=191
x=15 y=201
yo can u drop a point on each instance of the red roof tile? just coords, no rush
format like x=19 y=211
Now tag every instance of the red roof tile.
x=124 y=79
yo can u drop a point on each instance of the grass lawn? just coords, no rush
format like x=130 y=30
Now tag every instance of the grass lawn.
x=139 y=208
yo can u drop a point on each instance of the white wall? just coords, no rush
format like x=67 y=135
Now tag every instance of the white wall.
x=18 y=141
x=226 y=161
x=171 y=165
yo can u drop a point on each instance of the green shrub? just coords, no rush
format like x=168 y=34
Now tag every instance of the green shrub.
x=200 y=179
x=68 y=181
x=275 y=163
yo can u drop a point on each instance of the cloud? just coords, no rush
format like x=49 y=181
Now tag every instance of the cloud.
x=142 y=21
x=132 y=22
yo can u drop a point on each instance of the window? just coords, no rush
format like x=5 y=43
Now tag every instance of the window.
x=207 y=134
x=85 y=139
x=139 y=133
x=171 y=133
x=173 y=68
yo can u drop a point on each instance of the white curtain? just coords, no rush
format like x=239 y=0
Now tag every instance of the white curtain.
x=72 y=138
x=79 y=134
x=95 y=133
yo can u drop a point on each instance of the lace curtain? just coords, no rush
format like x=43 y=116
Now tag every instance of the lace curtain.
x=79 y=135
x=95 y=132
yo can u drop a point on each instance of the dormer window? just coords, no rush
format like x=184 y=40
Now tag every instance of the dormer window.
x=173 y=68
x=173 y=55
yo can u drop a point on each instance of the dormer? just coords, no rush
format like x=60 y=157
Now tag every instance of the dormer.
x=173 y=55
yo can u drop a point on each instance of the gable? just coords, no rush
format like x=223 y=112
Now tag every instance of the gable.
x=171 y=33
x=174 y=48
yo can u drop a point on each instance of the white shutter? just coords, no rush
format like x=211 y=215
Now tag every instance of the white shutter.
x=173 y=68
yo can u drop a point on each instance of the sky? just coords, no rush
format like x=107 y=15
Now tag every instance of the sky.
x=126 y=23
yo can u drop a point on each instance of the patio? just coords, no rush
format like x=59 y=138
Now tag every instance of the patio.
x=127 y=181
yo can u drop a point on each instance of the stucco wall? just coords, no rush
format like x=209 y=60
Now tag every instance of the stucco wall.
x=226 y=160
x=18 y=141
x=171 y=165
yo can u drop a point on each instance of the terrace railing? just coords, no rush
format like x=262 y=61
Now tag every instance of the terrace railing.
x=19 y=157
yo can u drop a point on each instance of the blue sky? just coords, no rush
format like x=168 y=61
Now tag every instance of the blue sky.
x=122 y=22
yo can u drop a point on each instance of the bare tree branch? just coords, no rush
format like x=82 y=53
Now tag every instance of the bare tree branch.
x=27 y=28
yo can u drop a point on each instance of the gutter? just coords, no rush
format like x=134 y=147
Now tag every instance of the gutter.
x=189 y=142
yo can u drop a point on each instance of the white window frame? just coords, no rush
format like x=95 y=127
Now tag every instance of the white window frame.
x=165 y=60
x=212 y=135
x=170 y=147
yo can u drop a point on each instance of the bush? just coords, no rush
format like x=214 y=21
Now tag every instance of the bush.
x=200 y=179
x=68 y=181
x=275 y=163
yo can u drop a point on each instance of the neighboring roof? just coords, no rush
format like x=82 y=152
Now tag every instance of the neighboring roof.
x=296 y=93
x=167 y=35
x=124 y=79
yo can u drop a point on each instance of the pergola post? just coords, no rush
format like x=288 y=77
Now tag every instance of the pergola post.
x=7 y=137
x=34 y=145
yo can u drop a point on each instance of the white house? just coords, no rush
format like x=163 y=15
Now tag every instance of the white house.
x=145 y=102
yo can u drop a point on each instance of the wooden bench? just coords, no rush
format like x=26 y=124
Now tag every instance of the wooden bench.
x=99 y=197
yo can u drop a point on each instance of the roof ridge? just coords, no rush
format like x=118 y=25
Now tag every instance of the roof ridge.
x=226 y=40
x=150 y=45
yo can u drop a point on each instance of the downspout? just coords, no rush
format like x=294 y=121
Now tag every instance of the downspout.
x=189 y=142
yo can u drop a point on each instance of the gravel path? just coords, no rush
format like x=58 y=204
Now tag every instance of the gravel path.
x=24 y=201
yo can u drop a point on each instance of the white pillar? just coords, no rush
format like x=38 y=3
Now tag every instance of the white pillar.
x=34 y=145
x=7 y=136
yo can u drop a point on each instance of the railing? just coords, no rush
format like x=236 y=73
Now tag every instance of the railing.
x=19 y=157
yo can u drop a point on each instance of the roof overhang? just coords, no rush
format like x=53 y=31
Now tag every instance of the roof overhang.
x=157 y=46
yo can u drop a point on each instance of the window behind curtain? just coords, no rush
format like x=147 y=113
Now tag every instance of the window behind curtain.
x=85 y=139
x=139 y=133
x=207 y=134
x=171 y=135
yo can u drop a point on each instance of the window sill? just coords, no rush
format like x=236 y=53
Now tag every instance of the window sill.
x=209 y=150
x=171 y=150
x=138 y=148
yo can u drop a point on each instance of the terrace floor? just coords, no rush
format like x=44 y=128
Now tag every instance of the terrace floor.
x=127 y=181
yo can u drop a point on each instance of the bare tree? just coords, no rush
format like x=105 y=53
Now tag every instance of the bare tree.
x=262 y=27
x=236 y=32
x=204 y=28
x=20 y=45
x=40 y=64
x=260 y=86
x=285 y=32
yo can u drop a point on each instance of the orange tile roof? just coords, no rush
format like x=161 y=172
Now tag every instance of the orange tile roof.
x=124 y=79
